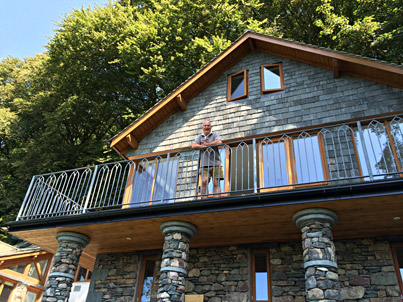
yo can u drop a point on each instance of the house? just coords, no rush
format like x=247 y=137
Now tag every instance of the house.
x=24 y=269
x=23 y=272
x=310 y=207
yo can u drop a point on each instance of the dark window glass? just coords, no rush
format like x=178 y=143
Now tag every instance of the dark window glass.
x=81 y=274
x=33 y=272
x=261 y=290
x=18 y=268
x=7 y=289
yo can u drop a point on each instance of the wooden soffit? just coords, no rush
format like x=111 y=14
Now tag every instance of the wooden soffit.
x=338 y=62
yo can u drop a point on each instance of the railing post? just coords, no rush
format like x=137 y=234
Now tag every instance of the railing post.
x=364 y=149
x=254 y=167
x=87 y=200
x=166 y=178
x=26 y=198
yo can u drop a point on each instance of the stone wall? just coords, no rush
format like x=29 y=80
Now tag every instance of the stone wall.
x=365 y=267
x=287 y=273
x=114 y=278
x=312 y=96
x=220 y=274
x=366 y=271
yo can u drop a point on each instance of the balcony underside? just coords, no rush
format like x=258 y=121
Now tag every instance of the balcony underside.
x=364 y=210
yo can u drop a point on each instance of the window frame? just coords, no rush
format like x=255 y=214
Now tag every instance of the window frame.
x=393 y=247
x=291 y=168
x=262 y=88
x=131 y=180
x=142 y=275
x=253 y=281
x=246 y=85
x=87 y=272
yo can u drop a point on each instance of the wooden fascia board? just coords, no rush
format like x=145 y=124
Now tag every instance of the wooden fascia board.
x=331 y=54
x=22 y=256
x=173 y=96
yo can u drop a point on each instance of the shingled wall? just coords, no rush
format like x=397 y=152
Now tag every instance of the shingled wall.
x=312 y=96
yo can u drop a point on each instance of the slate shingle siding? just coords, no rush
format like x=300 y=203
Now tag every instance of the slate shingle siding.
x=312 y=97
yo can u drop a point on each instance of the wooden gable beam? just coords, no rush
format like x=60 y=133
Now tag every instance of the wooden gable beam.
x=251 y=44
x=181 y=102
x=132 y=141
x=335 y=64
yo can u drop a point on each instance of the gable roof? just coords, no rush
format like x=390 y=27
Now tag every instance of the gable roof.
x=337 y=61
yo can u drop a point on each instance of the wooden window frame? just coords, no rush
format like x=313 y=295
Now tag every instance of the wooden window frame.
x=291 y=164
x=129 y=188
x=386 y=123
x=88 y=271
x=246 y=85
x=141 y=279
x=393 y=247
x=253 y=282
x=262 y=88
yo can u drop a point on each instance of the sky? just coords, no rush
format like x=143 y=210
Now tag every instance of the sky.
x=27 y=25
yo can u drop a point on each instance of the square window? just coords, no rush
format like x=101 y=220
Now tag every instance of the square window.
x=237 y=87
x=271 y=78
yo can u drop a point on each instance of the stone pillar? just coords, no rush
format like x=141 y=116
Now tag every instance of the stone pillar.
x=174 y=260
x=64 y=266
x=321 y=277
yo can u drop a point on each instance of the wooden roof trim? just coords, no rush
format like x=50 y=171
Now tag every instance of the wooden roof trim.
x=330 y=54
x=22 y=255
x=197 y=76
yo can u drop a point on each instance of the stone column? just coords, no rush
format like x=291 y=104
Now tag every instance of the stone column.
x=174 y=260
x=321 y=277
x=64 y=266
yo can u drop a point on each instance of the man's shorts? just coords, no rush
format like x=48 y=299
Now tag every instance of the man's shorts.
x=215 y=172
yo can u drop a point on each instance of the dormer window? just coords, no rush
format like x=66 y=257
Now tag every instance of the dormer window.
x=237 y=87
x=271 y=78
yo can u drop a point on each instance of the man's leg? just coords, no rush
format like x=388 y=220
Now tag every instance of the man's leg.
x=204 y=185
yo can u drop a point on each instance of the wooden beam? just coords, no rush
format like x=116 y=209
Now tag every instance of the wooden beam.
x=336 y=71
x=132 y=141
x=181 y=102
x=251 y=44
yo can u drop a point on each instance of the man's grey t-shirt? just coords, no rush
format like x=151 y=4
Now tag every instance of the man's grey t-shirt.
x=209 y=159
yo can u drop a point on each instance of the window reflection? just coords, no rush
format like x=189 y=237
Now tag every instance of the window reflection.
x=308 y=161
x=237 y=85
x=274 y=163
x=148 y=277
x=272 y=78
x=379 y=159
x=155 y=180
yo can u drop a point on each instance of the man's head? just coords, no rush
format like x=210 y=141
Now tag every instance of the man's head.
x=206 y=127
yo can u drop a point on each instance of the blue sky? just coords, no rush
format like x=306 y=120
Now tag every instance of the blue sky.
x=27 y=25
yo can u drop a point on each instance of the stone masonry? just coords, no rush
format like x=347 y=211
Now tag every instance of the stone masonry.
x=287 y=273
x=64 y=266
x=319 y=254
x=366 y=271
x=174 y=260
x=220 y=274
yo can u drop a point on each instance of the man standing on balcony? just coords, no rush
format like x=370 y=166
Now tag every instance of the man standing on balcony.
x=210 y=166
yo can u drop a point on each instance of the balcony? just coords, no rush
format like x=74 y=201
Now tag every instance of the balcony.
x=366 y=151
